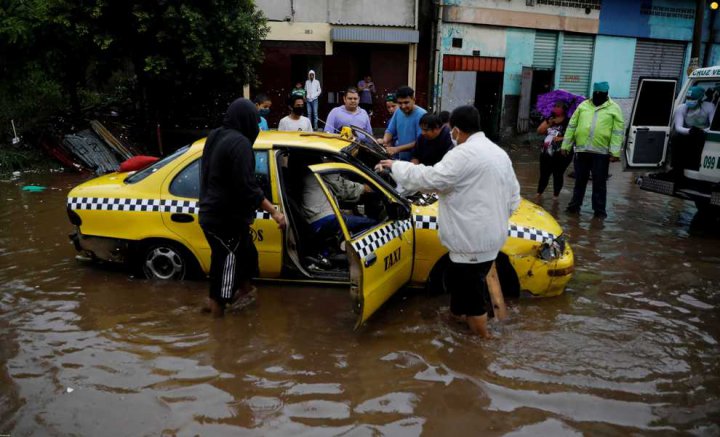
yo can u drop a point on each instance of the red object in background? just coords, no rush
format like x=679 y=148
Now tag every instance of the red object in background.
x=473 y=63
x=137 y=163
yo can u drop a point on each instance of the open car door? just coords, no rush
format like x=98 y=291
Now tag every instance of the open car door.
x=649 y=128
x=380 y=256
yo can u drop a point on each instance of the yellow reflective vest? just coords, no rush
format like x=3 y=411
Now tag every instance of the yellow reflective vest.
x=595 y=129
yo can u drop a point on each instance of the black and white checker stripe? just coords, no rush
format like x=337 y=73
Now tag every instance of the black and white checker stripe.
x=142 y=205
x=532 y=234
x=371 y=242
x=426 y=222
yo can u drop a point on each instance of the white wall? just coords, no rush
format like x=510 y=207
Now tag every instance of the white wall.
x=489 y=40
x=358 y=12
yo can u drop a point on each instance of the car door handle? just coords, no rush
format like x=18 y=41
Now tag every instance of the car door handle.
x=370 y=260
x=182 y=218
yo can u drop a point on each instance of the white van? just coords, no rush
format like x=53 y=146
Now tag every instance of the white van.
x=651 y=130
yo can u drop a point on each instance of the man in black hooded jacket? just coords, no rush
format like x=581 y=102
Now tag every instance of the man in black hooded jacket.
x=229 y=197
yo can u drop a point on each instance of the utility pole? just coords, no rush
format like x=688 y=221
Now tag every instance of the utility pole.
x=697 y=36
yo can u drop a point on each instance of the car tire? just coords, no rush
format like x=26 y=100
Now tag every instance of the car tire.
x=165 y=261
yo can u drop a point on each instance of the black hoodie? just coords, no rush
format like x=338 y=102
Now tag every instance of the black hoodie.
x=229 y=192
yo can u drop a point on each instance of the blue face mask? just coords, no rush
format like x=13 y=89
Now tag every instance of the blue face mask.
x=692 y=104
x=264 y=112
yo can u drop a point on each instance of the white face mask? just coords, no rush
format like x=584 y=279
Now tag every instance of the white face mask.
x=453 y=138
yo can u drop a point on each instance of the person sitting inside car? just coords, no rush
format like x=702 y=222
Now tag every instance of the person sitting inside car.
x=317 y=209
x=692 y=120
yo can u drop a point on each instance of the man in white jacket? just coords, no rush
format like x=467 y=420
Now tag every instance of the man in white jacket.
x=478 y=192
x=312 y=90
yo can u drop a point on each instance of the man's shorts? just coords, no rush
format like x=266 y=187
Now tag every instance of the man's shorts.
x=233 y=260
x=468 y=288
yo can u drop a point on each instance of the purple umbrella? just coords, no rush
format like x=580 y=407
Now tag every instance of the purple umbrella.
x=546 y=102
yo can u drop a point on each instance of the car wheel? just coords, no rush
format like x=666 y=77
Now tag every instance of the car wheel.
x=164 y=261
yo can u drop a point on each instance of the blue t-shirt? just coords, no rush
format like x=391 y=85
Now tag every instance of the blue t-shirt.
x=406 y=127
x=263 y=124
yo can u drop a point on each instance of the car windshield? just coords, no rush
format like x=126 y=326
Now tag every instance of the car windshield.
x=142 y=174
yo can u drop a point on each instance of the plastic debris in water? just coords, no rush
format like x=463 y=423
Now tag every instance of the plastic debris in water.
x=34 y=188
x=70 y=389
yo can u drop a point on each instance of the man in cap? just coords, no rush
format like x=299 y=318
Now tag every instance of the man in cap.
x=692 y=120
x=596 y=131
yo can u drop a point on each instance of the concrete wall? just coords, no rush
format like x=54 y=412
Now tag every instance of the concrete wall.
x=521 y=6
x=373 y=12
x=365 y=12
x=514 y=13
x=519 y=53
x=490 y=41
x=613 y=63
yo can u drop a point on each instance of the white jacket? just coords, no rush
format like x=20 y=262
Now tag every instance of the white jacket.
x=312 y=88
x=478 y=193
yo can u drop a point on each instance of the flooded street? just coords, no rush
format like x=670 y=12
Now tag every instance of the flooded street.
x=630 y=348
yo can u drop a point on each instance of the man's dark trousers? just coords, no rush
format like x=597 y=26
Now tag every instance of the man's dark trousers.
x=586 y=163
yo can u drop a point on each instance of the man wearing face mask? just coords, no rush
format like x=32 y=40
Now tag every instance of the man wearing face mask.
x=296 y=121
x=263 y=104
x=596 y=132
x=478 y=191
x=692 y=120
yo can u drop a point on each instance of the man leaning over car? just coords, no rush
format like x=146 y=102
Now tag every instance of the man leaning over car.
x=477 y=190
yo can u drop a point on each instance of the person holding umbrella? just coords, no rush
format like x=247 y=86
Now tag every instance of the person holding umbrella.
x=552 y=162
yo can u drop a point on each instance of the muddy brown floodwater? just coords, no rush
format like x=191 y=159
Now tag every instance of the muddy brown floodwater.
x=630 y=349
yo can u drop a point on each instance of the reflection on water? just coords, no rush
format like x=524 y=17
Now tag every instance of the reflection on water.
x=632 y=347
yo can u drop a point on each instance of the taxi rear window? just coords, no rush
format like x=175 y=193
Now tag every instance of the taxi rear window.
x=142 y=174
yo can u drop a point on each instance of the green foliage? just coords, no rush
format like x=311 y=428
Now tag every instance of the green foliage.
x=168 y=60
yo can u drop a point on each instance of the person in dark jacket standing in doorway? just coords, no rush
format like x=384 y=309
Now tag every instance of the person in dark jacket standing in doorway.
x=229 y=196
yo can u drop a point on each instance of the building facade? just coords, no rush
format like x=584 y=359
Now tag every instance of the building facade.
x=500 y=54
x=342 y=41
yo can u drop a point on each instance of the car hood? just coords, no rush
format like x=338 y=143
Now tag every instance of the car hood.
x=527 y=215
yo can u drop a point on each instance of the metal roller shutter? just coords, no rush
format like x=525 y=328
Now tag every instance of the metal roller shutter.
x=545 y=50
x=657 y=59
x=576 y=63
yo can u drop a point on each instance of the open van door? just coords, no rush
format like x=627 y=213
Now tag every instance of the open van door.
x=380 y=256
x=649 y=128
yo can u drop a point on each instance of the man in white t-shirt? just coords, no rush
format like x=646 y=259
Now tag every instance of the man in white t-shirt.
x=296 y=121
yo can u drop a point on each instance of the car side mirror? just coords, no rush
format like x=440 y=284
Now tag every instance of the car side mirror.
x=398 y=211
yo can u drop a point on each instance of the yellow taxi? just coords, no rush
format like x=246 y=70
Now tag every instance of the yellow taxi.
x=149 y=220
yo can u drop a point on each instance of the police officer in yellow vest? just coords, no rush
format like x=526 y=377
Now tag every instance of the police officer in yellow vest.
x=596 y=131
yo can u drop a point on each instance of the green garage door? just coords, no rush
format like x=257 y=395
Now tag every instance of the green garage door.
x=576 y=63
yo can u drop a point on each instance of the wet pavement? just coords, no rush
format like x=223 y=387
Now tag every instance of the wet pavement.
x=630 y=349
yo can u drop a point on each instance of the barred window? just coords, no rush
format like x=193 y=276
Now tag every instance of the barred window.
x=647 y=8
x=582 y=4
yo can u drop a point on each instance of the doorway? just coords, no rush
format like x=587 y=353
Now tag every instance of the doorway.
x=488 y=94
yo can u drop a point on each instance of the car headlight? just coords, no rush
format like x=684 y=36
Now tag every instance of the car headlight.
x=554 y=249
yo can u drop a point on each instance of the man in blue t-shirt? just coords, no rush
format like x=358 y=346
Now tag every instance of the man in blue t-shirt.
x=404 y=124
